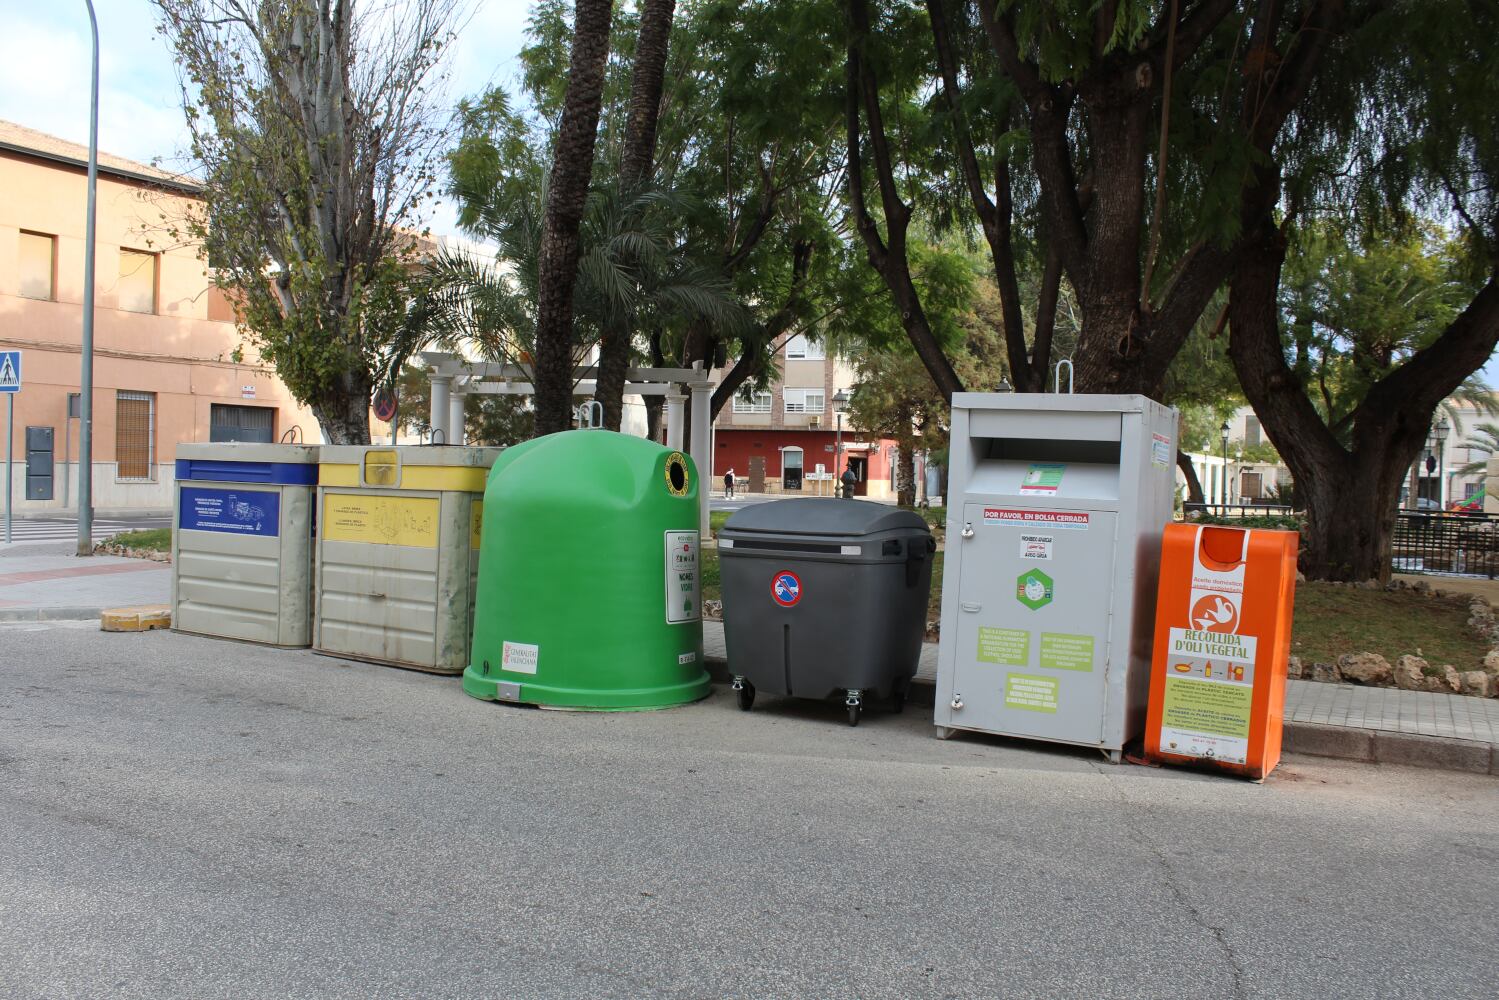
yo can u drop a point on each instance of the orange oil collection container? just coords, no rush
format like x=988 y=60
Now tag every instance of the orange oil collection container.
x=1222 y=642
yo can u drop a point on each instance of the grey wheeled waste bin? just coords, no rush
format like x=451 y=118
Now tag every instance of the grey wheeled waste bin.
x=825 y=597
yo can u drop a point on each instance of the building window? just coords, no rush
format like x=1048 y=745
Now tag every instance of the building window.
x=241 y=423
x=135 y=435
x=137 y=286
x=1469 y=489
x=1251 y=430
x=791 y=458
x=804 y=400
x=757 y=403
x=37 y=263
x=799 y=348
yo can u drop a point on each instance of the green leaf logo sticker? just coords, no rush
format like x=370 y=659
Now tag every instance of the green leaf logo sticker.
x=1034 y=589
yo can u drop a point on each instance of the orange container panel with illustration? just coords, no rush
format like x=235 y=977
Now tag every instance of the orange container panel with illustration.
x=1222 y=642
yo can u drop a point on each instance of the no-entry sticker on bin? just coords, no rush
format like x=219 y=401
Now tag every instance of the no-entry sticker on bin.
x=1019 y=518
x=786 y=588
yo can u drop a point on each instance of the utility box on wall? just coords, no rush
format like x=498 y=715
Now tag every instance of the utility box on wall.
x=1056 y=505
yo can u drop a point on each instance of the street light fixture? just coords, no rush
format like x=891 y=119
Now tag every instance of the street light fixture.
x=1443 y=428
x=1223 y=491
x=840 y=406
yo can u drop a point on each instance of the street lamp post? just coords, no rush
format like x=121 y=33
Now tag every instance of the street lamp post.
x=1443 y=428
x=1223 y=472
x=840 y=406
x=86 y=372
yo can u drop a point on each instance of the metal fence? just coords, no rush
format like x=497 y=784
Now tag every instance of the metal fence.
x=1230 y=510
x=1454 y=544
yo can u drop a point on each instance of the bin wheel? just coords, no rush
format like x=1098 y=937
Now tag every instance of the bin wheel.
x=746 y=696
x=853 y=714
x=898 y=697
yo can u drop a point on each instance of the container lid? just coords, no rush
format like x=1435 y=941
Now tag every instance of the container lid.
x=461 y=455
x=821 y=516
x=249 y=451
x=246 y=462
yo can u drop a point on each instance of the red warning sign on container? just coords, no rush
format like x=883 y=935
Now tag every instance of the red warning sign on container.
x=1067 y=519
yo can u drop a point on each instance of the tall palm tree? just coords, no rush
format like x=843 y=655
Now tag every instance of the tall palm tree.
x=632 y=273
x=567 y=194
x=635 y=171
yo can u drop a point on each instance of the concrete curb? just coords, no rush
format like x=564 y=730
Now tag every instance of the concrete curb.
x=1375 y=746
x=1369 y=746
x=49 y=614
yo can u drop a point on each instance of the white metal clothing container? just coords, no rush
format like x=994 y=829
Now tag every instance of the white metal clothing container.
x=242 y=551
x=1056 y=507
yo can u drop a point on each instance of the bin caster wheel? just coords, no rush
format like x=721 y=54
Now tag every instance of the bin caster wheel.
x=898 y=698
x=853 y=714
x=746 y=693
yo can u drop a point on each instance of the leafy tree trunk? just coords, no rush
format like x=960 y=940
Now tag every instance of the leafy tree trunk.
x=887 y=254
x=905 y=462
x=1194 y=485
x=635 y=171
x=655 y=405
x=1350 y=492
x=314 y=135
x=1027 y=367
x=755 y=348
x=344 y=414
x=572 y=169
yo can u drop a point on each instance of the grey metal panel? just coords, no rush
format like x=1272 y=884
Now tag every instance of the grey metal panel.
x=255 y=588
x=405 y=605
x=377 y=602
x=39 y=465
x=987 y=577
x=248 y=587
x=298 y=454
x=236 y=423
x=1061 y=425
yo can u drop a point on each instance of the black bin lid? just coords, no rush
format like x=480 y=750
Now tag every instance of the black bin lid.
x=825 y=516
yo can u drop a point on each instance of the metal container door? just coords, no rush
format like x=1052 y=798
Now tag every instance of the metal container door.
x=1034 y=615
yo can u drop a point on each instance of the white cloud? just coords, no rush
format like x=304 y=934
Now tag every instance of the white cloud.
x=44 y=78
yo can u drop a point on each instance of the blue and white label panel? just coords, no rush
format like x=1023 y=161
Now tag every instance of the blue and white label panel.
x=10 y=371
x=236 y=512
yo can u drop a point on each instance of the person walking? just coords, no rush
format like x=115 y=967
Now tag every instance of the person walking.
x=728 y=485
x=849 y=479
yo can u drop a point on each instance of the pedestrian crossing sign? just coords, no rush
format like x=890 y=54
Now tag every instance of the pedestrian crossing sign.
x=10 y=371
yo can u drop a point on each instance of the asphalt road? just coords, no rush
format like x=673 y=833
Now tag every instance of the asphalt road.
x=185 y=817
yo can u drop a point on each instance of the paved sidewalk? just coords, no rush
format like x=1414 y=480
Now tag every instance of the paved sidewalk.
x=1376 y=725
x=46 y=582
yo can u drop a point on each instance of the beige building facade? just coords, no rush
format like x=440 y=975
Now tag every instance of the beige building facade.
x=164 y=337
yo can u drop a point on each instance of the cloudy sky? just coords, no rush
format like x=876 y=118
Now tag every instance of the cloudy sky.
x=44 y=72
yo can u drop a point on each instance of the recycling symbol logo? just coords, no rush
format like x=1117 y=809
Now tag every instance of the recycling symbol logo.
x=1034 y=589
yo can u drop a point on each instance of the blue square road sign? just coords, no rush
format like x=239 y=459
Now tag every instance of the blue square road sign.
x=10 y=371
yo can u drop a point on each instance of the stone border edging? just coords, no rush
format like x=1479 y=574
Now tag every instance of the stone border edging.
x=49 y=614
x=1369 y=746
